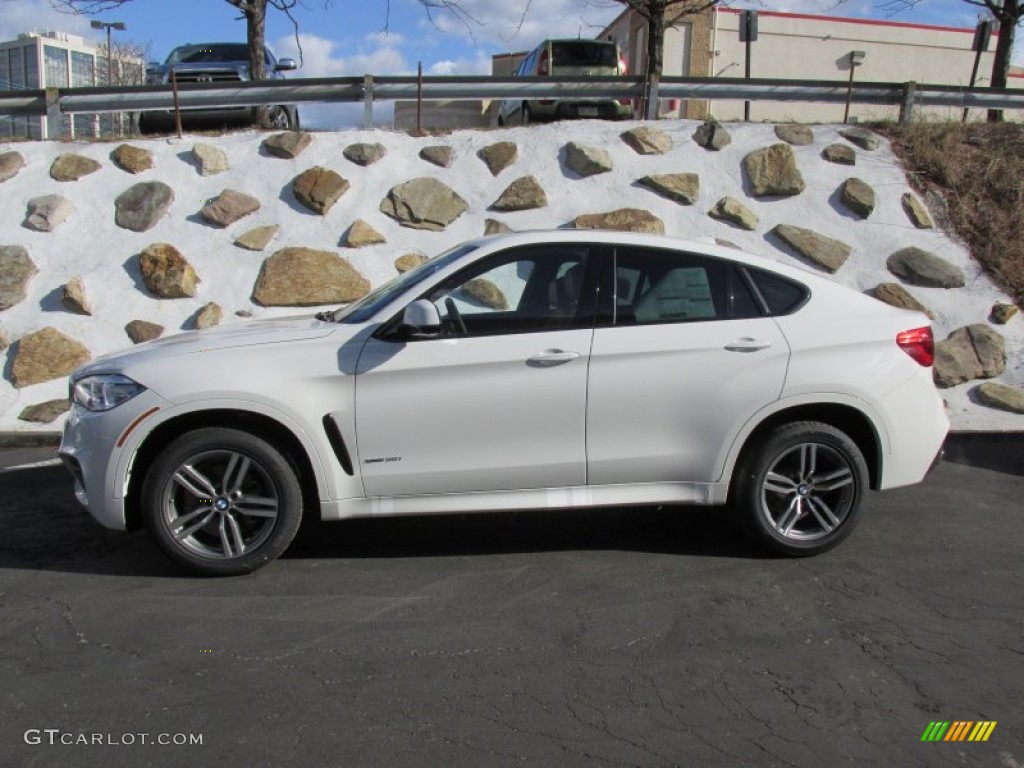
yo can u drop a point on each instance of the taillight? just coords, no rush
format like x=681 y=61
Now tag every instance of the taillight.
x=623 y=68
x=919 y=344
x=542 y=68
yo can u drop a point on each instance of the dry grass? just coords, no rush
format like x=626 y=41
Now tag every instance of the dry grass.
x=978 y=168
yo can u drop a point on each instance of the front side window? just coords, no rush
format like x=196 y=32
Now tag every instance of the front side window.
x=520 y=291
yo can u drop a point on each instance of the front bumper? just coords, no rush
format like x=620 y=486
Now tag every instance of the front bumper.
x=97 y=450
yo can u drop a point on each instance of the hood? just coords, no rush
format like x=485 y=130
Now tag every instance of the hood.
x=247 y=334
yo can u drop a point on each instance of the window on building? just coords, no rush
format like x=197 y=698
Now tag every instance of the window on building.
x=55 y=60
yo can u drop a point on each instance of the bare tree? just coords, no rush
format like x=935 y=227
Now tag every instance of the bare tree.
x=655 y=12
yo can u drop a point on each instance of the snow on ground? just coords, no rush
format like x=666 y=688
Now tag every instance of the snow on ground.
x=89 y=244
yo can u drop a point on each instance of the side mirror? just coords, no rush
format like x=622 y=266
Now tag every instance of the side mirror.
x=421 y=320
x=286 y=64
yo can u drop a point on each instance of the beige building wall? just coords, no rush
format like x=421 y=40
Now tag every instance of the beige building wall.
x=798 y=46
x=804 y=47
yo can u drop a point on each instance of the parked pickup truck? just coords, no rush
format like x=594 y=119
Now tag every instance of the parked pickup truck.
x=224 y=63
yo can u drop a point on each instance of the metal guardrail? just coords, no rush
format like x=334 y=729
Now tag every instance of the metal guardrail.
x=54 y=102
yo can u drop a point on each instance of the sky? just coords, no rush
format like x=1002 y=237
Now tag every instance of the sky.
x=357 y=37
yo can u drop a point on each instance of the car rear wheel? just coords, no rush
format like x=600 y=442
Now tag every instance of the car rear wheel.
x=222 y=502
x=802 y=488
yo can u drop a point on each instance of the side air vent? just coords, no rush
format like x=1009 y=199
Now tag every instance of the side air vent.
x=337 y=444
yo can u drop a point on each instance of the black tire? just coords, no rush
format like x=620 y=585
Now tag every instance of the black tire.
x=801 y=489
x=281 y=119
x=222 y=502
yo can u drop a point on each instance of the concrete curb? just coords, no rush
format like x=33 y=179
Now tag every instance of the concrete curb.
x=11 y=440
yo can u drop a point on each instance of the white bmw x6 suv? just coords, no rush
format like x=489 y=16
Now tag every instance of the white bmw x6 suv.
x=527 y=371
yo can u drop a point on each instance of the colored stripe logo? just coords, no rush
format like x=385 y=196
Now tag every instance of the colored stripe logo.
x=959 y=730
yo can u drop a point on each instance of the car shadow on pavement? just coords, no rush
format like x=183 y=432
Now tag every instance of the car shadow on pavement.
x=997 y=451
x=704 y=532
x=43 y=528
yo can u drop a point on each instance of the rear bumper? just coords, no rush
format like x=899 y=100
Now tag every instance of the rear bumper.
x=567 y=110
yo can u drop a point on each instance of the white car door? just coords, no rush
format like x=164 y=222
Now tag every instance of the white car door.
x=682 y=363
x=498 y=401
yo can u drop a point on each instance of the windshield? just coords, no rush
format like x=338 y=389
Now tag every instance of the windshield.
x=191 y=54
x=369 y=305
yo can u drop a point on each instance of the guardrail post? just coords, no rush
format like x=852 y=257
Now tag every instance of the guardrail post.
x=651 y=112
x=53 y=115
x=907 y=105
x=368 y=102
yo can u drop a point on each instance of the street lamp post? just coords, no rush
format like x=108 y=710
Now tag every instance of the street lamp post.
x=109 y=25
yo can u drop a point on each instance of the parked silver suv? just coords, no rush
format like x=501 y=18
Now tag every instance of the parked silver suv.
x=568 y=58
x=223 y=63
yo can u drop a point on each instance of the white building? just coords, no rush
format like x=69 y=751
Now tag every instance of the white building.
x=59 y=60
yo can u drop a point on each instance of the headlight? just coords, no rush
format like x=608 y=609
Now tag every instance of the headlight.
x=104 y=391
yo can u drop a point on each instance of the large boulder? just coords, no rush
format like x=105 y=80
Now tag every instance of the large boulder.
x=916 y=211
x=319 y=188
x=484 y=293
x=10 y=164
x=438 y=154
x=918 y=267
x=48 y=212
x=1002 y=313
x=796 y=134
x=72 y=167
x=585 y=160
x=304 y=277
x=825 y=252
x=362 y=234
x=772 y=172
x=16 y=269
x=731 y=209
x=73 y=297
x=682 y=188
x=287 y=145
x=364 y=154
x=1000 y=396
x=862 y=137
x=499 y=156
x=45 y=355
x=230 y=206
x=167 y=273
x=521 y=195
x=971 y=352
x=895 y=295
x=141 y=206
x=408 y=261
x=210 y=160
x=858 y=196
x=209 y=315
x=140 y=331
x=712 y=136
x=623 y=220
x=646 y=140
x=132 y=159
x=44 y=413
x=257 y=238
x=840 y=154
x=423 y=204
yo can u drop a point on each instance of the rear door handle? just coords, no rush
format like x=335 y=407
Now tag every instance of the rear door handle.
x=551 y=357
x=747 y=345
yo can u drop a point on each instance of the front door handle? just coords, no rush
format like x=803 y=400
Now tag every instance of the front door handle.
x=747 y=344
x=551 y=357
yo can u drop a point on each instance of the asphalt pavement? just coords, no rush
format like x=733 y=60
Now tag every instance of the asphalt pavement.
x=628 y=637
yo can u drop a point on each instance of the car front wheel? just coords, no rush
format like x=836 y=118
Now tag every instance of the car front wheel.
x=222 y=502
x=280 y=119
x=802 y=488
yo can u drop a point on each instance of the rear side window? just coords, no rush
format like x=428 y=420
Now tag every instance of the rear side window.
x=780 y=296
x=584 y=53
